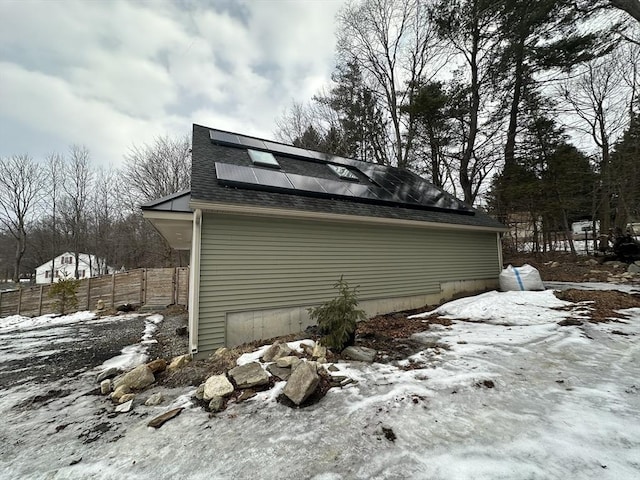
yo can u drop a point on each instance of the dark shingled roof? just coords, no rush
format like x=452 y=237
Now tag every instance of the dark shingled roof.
x=176 y=202
x=205 y=187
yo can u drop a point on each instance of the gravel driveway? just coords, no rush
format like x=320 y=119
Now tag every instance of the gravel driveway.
x=43 y=353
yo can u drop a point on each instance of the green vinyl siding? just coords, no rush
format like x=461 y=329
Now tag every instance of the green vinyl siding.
x=256 y=263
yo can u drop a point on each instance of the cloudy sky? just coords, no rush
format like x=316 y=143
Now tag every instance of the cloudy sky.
x=110 y=74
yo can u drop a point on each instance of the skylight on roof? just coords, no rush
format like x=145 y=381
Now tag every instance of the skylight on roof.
x=343 y=172
x=264 y=159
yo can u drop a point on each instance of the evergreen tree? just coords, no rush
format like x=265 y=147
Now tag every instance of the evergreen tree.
x=625 y=168
x=361 y=128
x=430 y=107
x=310 y=139
x=537 y=37
x=550 y=179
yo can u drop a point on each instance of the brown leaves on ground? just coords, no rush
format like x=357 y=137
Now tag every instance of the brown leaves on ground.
x=397 y=325
x=390 y=334
x=602 y=304
x=567 y=267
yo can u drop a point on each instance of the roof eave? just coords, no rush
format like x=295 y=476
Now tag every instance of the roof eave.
x=254 y=210
x=153 y=203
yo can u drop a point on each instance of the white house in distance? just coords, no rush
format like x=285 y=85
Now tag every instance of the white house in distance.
x=65 y=267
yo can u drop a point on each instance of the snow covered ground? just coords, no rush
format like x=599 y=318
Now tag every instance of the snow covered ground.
x=512 y=396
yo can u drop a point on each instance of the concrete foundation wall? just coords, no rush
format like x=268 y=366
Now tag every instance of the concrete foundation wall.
x=247 y=326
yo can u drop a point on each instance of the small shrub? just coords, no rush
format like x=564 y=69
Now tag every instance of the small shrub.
x=64 y=293
x=337 y=318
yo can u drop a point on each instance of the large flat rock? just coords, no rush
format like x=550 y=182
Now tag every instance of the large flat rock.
x=249 y=375
x=137 y=379
x=361 y=354
x=217 y=386
x=303 y=382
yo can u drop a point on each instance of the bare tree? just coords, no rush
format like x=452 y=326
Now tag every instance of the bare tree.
x=154 y=171
x=77 y=184
x=600 y=100
x=104 y=212
x=160 y=169
x=21 y=185
x=55 y=175
x=393 y=43
x=629 y=67
x=469 y=26
x=295 y=121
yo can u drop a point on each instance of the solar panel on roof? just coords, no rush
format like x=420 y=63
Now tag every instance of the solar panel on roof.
x=286 y=149
x=385 y=182
x=385 y=185
x=381 y=193
x=272 y=178
x=252 y=142
x=224 y=137
x=235 y=173
x=407 y=194
x=305 y=183
x=335 y=188
x=362 y=191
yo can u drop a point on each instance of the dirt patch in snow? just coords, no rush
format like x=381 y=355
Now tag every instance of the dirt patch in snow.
x=397 y=325
x=391 y=334
x=564 y=267
x=602 y=304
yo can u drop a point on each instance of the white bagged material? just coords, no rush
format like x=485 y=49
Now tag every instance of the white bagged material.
x=522 y=278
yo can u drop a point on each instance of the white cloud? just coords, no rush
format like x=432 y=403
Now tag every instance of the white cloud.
x=131 y=85
x=54 y=108
x=111 y=74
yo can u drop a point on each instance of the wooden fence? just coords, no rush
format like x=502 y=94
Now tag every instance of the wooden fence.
x=155 y=287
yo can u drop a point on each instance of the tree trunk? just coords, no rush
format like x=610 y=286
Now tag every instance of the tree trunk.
x=605 y=187
x=76 y=272
x=21 y=246
x=465 y=180
x=567 y=231
x=510 y=145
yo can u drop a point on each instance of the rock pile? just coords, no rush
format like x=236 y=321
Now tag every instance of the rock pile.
x=123 y=387
x=622 y=273
x=306 y=373
x=627 y=273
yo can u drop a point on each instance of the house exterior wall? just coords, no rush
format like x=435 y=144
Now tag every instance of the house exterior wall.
x=258 y=274
x=90 y=265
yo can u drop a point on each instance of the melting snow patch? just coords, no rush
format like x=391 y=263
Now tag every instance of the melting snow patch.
x=134 y=355
x=150 y=327
x=504 y=308
x=252 y=356
x=18 y=322
x=130 y=356
x=592 y=286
